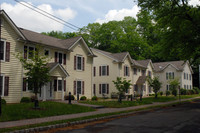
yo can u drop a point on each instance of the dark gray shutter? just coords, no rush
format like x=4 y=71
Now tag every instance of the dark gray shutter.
x=6 y=88
x=7 y=51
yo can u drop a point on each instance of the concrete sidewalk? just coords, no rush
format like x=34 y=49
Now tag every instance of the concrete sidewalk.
x=71 y=116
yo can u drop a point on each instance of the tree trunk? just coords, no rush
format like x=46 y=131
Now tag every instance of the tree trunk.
x=120 y=98
x=140 y=97
x=36 y=103
x=156 y=95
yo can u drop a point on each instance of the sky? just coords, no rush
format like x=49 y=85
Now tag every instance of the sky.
x=77 y=12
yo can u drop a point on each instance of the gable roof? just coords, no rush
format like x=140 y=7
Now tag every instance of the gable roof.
x=118 y=57
x=137 y=64
x=4 y=14
x=141 y=80
x=54 y=65
x=144 y=62
x=178 y=65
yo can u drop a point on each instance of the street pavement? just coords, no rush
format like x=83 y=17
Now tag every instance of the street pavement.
x=179 y=119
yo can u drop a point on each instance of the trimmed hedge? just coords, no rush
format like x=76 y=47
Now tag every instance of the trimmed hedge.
x=3 y=101
x=94 y=98
x=83 y=98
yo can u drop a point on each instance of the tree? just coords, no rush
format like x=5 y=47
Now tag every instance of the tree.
x=60 y=34
x=174 y=84
x=155 y=83
x=121 y=86
x=179 y=27
x=37 y=72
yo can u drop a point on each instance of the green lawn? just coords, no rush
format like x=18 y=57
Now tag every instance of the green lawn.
x=20 y=111
x=146 y=100
x=116 y=104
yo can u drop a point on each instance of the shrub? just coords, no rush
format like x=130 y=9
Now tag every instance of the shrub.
x=174 y=92
x=188 y=92
x=94 y=98
x=3 y=101
x=167 y=93
x=67 y=97
x=183 y=91
x=196 y=89
x=25 y=100
x=161 y=93
x=83 y=98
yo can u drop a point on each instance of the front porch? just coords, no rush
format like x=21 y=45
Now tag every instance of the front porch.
x=56 y=88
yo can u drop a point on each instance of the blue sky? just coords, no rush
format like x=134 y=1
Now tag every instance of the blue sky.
x=77 y=12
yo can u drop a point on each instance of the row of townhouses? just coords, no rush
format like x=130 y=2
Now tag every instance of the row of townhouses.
x=76 y=68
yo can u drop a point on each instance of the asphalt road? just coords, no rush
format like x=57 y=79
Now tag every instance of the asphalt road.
x=179 y=119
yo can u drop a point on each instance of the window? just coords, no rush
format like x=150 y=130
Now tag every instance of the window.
x=79 y=87
x=138 y=70
x=104 y=70
x=46 y=52
x=135 y=71
x=59 y=85
x=149 y=73
x=94 y=71
x=60 y=58
x=184 y=75
x=1 y=85
x=2 y=50
x=190 y=77
x=104 y=88
x=126 y=71
x=1 y=22
x=143 y=72
x=28 y=52
x=170 y=75
x=190 y=87
x=184 y=86
x=27 y=86
x=79 y=62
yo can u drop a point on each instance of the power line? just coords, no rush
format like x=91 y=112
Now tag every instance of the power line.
x=53 y=17
x=50 y=14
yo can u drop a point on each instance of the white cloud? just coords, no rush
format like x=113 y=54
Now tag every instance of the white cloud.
x=119 y=14
x=29 y=19
x=194 y=2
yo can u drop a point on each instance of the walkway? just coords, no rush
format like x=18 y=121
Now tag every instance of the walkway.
x=71 y=116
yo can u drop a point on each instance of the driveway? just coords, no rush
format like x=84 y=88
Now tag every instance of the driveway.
x=180 y=119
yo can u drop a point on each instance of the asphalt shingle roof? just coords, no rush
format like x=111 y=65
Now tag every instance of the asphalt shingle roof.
x=160 y=65
x=48 y=40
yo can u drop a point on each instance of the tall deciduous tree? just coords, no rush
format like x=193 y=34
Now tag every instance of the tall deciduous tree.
x=155 y=83
x=179 y=26
x=36 y=71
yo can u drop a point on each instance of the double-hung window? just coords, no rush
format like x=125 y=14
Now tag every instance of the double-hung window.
x=2 y=50
x=4 y=85
x=169 y=75
x=60 y=58
x=79 y=87
x=1 y=85
x=103 y=88
x=104 y=70
x=143 y=72
x=126 y=71
x=29 y=51
x=46 y=52
x=79 y=63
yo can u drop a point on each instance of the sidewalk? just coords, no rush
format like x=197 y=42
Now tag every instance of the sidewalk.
x=71 y=116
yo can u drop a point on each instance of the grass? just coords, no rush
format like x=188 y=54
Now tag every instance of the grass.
x=116 y=104
x=146 y=100
x=89 y=117
x=11 y=112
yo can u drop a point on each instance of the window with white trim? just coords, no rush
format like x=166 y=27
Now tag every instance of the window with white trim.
x=79 y=87
x=104 y=88
x=29 y=51
x=79 y=62
x=2 y=49
x=1 y=85
x=126 y=71
x=59 y=85
x=169 y=75
x=104 y=70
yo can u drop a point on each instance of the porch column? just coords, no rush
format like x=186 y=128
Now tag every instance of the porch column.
x=44 y=90
x=62 y=88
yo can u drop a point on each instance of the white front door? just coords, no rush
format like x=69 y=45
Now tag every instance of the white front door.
x=49 y=91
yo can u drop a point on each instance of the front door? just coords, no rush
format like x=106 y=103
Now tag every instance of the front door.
x=49 y=91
